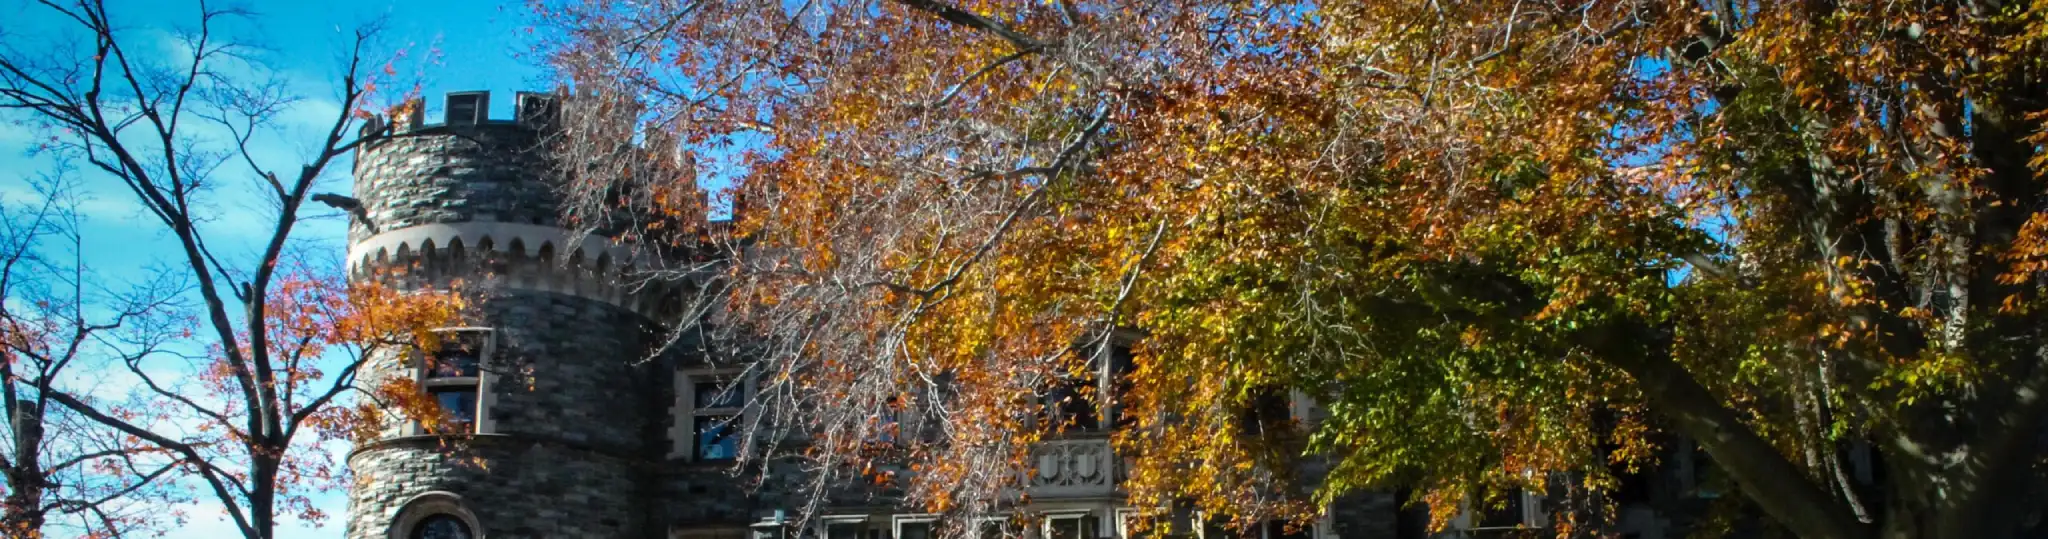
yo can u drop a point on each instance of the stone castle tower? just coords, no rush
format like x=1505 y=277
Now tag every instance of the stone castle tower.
x=547 y=396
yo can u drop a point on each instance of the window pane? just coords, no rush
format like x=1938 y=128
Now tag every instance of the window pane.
x=459 y=403
x=1278 y=529
x=1131 y=530
x=1506 y=515
x=1121 y=367
x=1072 y=527
x=716 y=438
x=1073 y=405
x=719 y=393
x=461 y=355
x=846 y=530
x=441 y=527
x=914 y=530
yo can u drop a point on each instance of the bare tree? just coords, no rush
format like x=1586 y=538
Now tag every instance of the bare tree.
x=58 y=465
x=181 y=130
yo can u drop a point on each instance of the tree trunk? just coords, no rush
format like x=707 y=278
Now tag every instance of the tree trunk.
x=263 y=492
x=26 y=480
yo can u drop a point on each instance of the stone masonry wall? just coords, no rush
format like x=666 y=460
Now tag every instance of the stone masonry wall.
x=521 y=490
x=570 y=371
x=453 y=174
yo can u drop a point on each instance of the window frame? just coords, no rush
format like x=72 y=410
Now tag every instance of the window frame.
x=1046 y=518
x=1003 y=525
x=419 y=508
x=1172 y=521
x=423 y=368
x=684 y=433
x=896 y=523
x=1528 y=503
x=1068 y=395
x=822 y=529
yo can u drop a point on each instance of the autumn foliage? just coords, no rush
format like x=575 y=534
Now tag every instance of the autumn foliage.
x=1502 y=244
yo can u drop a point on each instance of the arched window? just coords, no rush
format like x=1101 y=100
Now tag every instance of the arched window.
x=435 y=515
x=442 y=527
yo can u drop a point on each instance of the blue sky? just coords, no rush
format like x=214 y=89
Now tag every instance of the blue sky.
x=481 y=45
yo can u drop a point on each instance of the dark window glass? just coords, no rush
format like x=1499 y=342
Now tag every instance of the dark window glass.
x=461 y=355
x=719 y=393
x=1072 y=404
x=850 y=530
x=1216 y=529
x=1121 y=368
x=1506 y=515
x=459 y=402
x=914 y=530
x=1072 y=528
x=716 y=438
x=1278 y=529
x=442 y=527
x=1268 y=412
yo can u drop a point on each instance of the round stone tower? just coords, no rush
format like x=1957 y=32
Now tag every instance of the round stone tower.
x=549 y=408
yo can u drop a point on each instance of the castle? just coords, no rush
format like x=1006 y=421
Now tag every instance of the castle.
x=578 y=435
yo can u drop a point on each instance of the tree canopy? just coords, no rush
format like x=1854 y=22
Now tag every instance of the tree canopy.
x=1500 y=242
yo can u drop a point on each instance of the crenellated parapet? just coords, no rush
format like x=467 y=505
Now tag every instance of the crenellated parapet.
x=511 y=255
x=532 y=110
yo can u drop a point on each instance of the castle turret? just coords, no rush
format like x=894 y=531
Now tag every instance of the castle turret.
x=547 y=425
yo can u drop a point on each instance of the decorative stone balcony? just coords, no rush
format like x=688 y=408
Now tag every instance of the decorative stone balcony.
x=1075 y=468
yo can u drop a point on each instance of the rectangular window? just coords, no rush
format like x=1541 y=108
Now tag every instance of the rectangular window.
x=1133 y=524
x=1279 y=529
x=452 y=375
x=1070 y=405
x=1512 y=512
x=1070 y=526
x=716 y=402
x=460 y=405
x=1121 y=367
x=1268 y=412
x=917 y=527
x=846 y=530
x=853 y=527
x=991 y=528
x=460 y=356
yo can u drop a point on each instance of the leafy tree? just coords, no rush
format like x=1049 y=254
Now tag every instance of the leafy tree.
x=1502 y=242
x=224 y=345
